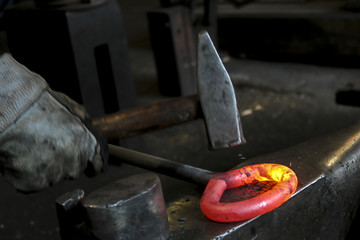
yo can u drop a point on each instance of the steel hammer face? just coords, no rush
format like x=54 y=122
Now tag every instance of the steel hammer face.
x=217 y=97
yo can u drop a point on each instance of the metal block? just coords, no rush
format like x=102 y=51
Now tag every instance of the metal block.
x=322 y=208
x=80 y=49
x=71 y=216
x=174 y=49
x=131 y=208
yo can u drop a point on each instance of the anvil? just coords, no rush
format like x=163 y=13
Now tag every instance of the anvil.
x=322 y=208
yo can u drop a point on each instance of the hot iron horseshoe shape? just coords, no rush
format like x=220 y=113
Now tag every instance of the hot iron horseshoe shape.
x=237 y=211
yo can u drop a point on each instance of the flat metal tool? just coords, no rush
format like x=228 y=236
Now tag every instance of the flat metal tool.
x=216 y=103
x=217 y=97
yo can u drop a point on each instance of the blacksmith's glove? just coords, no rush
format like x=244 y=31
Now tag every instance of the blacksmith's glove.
x=43 y=134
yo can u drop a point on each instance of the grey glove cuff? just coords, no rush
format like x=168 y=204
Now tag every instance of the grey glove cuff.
x=20 y=88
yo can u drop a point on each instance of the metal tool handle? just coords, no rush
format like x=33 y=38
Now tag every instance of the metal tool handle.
x=161 y=165
x=136 y=121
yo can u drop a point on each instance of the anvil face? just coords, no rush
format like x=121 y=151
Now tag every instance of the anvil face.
x=329 y=179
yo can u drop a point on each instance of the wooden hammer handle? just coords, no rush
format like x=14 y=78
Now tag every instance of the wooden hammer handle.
x=139 y=120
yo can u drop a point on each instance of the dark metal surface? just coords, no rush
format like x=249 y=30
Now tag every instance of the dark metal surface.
x=161 y=165
x=173 y=41
x=209 y=21
x=217 y=97
x=322 y=208
x=130 y=208
x=76 y=51
x=290 y=112
x=316 y=32
x=353 y=5
x=79 y=4
x=70 y=215
x=173 y=44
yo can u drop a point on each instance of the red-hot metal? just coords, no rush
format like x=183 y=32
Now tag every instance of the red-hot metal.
x=219 y=211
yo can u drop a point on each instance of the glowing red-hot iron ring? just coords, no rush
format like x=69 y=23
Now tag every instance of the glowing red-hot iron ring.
x=236 y=211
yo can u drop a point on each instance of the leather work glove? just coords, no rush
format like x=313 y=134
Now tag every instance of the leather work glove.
x=43 y=134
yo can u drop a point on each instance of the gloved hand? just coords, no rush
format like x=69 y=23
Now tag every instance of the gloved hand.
x=43 y=134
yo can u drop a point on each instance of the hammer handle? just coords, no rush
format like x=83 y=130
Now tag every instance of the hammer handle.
x=139 y=120
x=161 y=165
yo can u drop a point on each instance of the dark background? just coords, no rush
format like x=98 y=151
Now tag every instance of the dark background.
x=287 y=93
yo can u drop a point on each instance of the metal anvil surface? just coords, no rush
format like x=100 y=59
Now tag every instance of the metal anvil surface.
x=322 y=207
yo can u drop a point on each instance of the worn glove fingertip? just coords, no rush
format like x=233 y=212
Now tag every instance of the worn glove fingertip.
x=102 y=151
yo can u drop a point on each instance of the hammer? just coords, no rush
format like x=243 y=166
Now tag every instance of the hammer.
x=216 y=103
x=122 y=209
x=218 y=106
x=222 y=119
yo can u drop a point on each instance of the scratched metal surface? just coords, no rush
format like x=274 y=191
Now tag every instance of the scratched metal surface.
x=322 y=208
x=282 y=105
x=278 y=111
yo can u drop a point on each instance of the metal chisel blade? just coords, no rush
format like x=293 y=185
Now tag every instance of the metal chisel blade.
x=218 y=97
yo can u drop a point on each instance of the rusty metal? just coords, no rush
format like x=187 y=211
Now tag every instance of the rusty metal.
x=148 y=118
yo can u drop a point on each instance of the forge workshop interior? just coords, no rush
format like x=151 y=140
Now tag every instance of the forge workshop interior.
x=224 y=119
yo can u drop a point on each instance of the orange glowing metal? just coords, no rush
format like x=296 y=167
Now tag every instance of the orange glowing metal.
x=236 y=211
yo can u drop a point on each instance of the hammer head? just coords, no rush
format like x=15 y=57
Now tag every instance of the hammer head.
x=217 y=97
